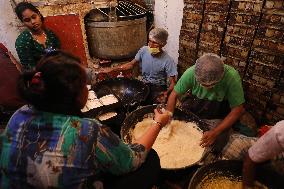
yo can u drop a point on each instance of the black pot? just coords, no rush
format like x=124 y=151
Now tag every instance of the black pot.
x=130 y=92
x=233 y=168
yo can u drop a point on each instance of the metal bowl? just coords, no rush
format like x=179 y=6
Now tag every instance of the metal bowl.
x=130 y=92
x=233 y=168
x=139 y=114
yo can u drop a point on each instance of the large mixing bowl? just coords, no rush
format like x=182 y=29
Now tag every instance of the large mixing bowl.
x=233 y=168
x=136 y=116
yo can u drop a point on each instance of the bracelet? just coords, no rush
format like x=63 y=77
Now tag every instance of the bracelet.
x=158 y=123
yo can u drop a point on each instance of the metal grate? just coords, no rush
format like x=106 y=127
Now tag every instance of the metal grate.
x=129 y=9
x=126 y=10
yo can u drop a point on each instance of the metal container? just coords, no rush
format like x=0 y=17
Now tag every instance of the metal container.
x=233 y=169
x=130 y=92
x=148 y=111
x=116 y=40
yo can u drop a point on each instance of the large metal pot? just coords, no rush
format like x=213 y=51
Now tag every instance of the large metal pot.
x=130 y=92
x=116 y=40
x=138 y=115
x=232 y=168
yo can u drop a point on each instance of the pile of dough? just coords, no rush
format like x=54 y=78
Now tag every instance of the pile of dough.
x=177 y=143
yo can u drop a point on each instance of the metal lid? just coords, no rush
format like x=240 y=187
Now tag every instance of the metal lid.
x=124 y=10
x=128 y=9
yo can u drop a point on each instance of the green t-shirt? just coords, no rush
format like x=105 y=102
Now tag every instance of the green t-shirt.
x=30 y=51
x=229 y=88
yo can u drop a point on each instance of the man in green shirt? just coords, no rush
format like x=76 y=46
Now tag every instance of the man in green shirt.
x=217 y=92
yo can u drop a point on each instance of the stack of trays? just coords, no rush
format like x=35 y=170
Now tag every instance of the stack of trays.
x=93 y=102
x=96 y=105
x=105 y=106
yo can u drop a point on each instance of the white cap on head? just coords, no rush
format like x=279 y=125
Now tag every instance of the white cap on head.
x=209 y=69
x=159 y=35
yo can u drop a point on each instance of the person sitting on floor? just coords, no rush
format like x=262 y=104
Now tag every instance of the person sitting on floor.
x=156 y=65
x=36 y=40
x=218 y=97
x=49 y=144
x=267 y=147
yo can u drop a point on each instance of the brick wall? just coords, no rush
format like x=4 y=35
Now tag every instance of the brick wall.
x=249 y=34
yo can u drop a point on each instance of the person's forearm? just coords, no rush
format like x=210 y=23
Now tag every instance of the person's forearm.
x=148 y=139
x=125 y=66
x=230 y=119
x=170 y=89
x=248 y=172
x=172 y=101
x=172 y=85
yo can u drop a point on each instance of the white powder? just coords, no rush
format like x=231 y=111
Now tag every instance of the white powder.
x=177 y=144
